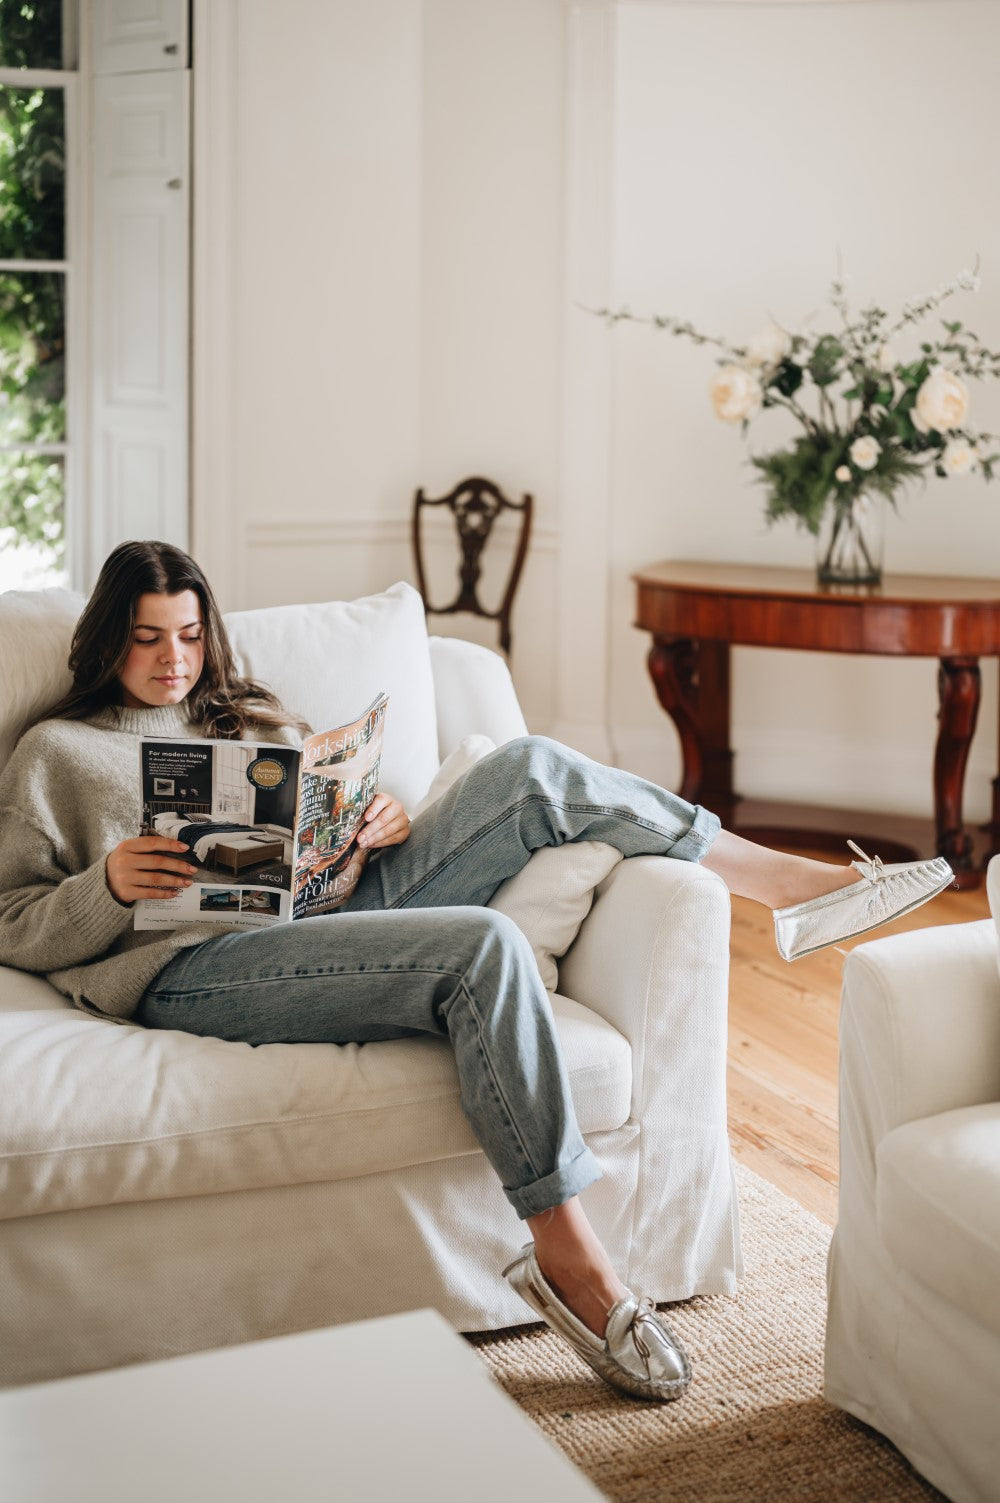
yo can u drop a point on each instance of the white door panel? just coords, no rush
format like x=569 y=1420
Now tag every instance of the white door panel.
x=139 y=36
x=140 y=309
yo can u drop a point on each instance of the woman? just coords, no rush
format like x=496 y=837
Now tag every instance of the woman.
x=150 y=656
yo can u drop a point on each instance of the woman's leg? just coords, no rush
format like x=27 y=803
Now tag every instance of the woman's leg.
x=575 y=1263
x=529 y=793
x=534 y=792
x=467 y=974
x=776 y=878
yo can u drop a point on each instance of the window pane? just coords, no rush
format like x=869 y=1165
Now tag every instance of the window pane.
x=32 y=543
x=32 y=358
x=32 y=174
x=30 y=34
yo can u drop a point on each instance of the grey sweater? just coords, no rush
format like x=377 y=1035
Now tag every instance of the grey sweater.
x=69 y=794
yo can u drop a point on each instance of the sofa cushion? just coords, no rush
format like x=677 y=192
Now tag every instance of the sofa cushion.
x=100 y=1113
x=327 y=662
x=938 y=1205
x=552 y=895
x=36 y=628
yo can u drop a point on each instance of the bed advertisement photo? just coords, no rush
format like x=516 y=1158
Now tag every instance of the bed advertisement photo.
x=272 y=829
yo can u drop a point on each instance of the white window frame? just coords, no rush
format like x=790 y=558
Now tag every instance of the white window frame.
x=73 y=266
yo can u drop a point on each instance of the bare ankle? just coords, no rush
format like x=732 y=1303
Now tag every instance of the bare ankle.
x=575 y=1264
x=814 y=879
x=590 y=1294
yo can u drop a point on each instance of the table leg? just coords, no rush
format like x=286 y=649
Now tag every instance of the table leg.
x=958 y=692
x=692 y=684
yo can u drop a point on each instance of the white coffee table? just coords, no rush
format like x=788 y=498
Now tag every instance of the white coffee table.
x=392 y=1409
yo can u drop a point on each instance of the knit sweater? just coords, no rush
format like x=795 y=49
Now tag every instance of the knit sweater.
x=69 y=794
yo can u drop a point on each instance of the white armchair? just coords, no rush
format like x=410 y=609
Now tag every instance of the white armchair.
x=162 y=1193
x=913 y=1331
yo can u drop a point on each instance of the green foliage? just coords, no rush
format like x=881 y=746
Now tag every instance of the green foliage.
x=32 y=304
x=799 y=480
x=32 y=174
x=30 y=34
x=31 y=499
x=866 y=414
x=787 y=378
x=824 y=363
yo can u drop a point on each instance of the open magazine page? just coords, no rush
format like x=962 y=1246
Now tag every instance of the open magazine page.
x=232 y=803
x=338 y=780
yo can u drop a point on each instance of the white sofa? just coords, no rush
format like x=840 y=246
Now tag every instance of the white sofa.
x=913 y=1331
x=162 y=1193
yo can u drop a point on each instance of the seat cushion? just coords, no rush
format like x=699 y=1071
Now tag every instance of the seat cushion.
x=938 y=1206
x=97 y=1113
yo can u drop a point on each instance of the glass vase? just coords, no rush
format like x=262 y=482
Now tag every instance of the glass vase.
x=849 y=542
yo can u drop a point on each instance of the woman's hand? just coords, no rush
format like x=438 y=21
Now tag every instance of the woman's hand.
x=386 y=823
x=147 y=867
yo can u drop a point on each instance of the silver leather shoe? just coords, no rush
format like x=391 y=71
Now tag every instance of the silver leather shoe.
x=882 y=894
x=638 y=1353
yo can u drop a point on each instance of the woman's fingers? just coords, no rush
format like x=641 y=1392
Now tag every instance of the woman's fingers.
x=386 y=823
x=150 y=866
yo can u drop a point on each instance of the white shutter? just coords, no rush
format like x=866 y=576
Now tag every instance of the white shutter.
x=139 y=36
x=139 y=310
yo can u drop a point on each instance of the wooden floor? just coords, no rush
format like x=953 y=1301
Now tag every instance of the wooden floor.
x=783 y=1050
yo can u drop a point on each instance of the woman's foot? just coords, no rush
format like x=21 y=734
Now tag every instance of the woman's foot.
x=877 y=895
x=568 y=1279
x=637 y=1354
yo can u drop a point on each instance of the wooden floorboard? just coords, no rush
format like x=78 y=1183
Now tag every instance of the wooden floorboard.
x=783 y=1050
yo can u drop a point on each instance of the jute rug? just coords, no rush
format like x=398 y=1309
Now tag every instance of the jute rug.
x=753 y=1425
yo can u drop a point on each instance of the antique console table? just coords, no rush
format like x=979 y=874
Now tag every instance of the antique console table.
x=696 y=612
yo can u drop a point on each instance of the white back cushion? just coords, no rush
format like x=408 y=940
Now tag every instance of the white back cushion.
x=36 y=627
x=328 y=662
x=475 y=694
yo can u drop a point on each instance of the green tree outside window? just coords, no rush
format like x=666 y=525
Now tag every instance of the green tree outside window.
x=32 y=304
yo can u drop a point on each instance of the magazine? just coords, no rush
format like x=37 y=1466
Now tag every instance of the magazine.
x=272 y=829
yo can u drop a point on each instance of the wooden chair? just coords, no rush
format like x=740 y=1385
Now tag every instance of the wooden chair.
x=475 y=505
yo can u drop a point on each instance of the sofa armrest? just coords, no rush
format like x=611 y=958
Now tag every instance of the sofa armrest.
x=475 y=694
x=652 y=958
x=919 y=1026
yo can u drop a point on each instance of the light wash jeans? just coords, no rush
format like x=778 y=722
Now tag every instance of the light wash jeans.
x=415 y=952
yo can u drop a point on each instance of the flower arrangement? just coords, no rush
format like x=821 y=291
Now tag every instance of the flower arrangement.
x=873 y=415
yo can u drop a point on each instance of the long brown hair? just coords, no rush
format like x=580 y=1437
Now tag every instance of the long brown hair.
x=222 y=703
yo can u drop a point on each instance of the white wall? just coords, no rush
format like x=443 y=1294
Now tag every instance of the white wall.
x=398 y=204
x=753 y=143
x=394 y=228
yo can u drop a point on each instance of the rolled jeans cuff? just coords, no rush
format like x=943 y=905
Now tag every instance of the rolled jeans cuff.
x=695 y=843
x=562 y=1184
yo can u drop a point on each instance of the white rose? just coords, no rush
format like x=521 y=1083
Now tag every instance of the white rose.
x=736 y=394
x=769 y=345
x=958 y=457
x=864 y=452
x=885 y=359
x=942 y=402
x=842 y=473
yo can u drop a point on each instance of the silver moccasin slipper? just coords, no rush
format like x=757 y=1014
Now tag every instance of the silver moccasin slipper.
x=638 y=1353
x=882 y=894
